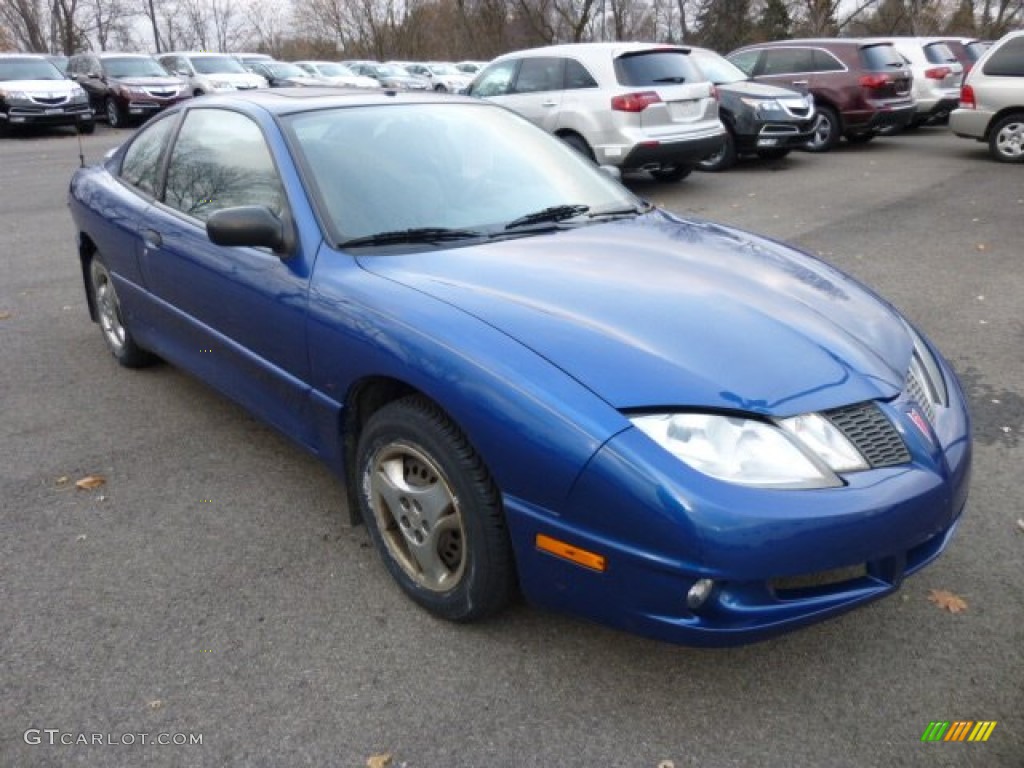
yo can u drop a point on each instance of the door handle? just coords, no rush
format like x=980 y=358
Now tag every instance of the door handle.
x=152 y=238
x=549 y=103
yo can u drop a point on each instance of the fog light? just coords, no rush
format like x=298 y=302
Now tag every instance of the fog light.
x=767 y=142
x=699 y=593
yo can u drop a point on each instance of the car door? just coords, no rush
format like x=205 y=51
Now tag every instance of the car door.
x=86 y=71
x=787 y=67
x=234 y=315
x=536 y=93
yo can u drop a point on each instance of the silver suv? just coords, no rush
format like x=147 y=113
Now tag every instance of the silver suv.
x=637 y=106
x=937 y=75
x=992 y=100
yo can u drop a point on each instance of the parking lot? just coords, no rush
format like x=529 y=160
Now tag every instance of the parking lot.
x=212 y=586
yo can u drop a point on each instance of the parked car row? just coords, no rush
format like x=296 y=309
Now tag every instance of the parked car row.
x=625 y=104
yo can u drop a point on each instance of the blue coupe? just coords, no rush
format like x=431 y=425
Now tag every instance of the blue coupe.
x=528 y=378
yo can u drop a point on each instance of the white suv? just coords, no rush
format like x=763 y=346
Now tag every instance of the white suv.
x=992 y=100
x=210 y=72
x=637 y=106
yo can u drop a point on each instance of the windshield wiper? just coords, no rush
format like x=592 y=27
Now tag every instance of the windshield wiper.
x=415 y=235
x=671 y=79
x=554 y=213
x=635 y=210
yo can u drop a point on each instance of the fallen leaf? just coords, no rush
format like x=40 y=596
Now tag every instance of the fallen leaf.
x=89 y=482
x=62 y=480
x=155 y=704
x=5 y=315
x=1020 y=524
x=981 y=246
x=947 y=600
x=666 y=764
x=81 y=537
x=379 y=761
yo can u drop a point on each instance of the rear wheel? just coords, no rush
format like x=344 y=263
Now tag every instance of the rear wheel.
x=826 y=131
x=108 y=312
x=578 y=143
x=669 y=173
x=723 y=159
x=1006 y=139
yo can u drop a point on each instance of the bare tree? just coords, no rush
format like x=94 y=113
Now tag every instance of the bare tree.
x=27 y=22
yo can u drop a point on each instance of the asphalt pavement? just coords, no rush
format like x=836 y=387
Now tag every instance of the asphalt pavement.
x=211 y=590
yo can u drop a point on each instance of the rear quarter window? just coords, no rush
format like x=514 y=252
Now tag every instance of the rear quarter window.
x=656 y=68
x=1008 y=61
x=881 y=57
x=939 y=53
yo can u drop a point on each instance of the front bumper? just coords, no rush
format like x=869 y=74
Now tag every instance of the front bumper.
x=779 y=559
x=70 y=114
x=776 y=135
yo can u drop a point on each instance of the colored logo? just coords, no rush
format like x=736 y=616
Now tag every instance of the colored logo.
x=920 y=423
x=959 y=730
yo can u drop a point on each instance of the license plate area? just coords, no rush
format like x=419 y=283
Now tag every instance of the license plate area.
x=683 y=110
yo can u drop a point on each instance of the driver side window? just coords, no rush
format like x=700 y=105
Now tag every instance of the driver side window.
x=221 y=160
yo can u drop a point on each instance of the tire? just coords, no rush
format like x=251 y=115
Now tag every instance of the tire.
x=826 y=131
x=672 y=173
x=88 y=128
x=440 y=88
x=776 y=153
x=108 y=312
x=1006 y=139
x=578 y=143
x=433 y=512
x=721 y=160
x=859 y=138
x=115 y=115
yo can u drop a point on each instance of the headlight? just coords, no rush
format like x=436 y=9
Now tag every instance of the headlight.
x=803 y=452
x=16 y=95
x=762 y=105
x=78 y=95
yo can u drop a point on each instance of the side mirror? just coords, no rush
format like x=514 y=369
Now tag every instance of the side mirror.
x=254 y=226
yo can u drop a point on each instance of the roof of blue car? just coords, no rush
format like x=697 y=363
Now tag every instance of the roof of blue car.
x=286 y=100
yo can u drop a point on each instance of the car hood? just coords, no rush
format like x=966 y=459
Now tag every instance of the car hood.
x=36 y=87
x=758 y=90
x=660 y=312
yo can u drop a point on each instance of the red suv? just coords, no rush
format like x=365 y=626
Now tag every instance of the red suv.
x=858 y=87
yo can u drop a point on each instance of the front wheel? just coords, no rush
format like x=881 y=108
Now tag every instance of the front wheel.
x=670 y=173
x=1006 y=139
x=115 y=115
x=723 y=159
x=108 y=312
x=826 y=131
x=433 y=512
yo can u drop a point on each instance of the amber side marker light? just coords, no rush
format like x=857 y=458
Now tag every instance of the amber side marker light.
x=590 y=560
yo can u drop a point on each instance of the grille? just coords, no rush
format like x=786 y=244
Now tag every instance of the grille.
x=917 y=391
x=161 y=94
x=49 y=101
x=871 y=433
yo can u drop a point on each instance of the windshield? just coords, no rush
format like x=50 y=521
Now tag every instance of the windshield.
x=717 y=69
x=217 y=65
x=284 y=69
x=334 y=70
x=444 y=69
x=458 y=166
x=135 y=66
x=391 y=70
x=28 y=69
